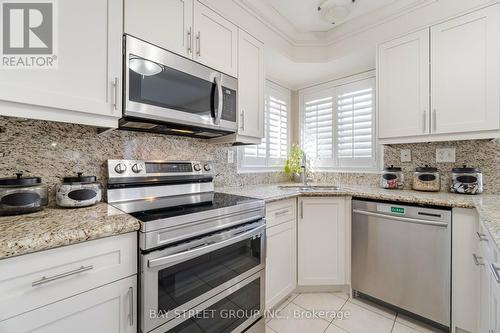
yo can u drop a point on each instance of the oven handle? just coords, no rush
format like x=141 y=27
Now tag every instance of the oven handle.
x=188 y=254
x=220 y=100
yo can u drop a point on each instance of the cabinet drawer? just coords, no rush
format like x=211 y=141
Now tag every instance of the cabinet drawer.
x=31 y=281
x=280 y=211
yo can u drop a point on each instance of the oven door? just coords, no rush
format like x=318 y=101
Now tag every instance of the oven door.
x=233 y=310
x=165 y=87
x=178 y=278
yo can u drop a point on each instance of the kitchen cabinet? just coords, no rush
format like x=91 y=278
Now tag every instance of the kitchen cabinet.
x=167 y=24
x=403 y=86
x=85 y=88
x=466 y=269
x=489 y=307
x=251 y=82
x=460 y=99
x=55 y=289
x=110 y=308
x=215 y=40
x=465 y=67
x=281 y=260
x=322 y=241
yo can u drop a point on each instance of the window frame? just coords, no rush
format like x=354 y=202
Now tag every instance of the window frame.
x=331 y=89
x=268 y=164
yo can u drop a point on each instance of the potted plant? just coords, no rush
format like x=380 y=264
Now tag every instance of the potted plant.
x=293 y=165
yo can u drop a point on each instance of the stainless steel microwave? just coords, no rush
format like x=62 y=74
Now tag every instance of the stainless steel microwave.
x=167 y=93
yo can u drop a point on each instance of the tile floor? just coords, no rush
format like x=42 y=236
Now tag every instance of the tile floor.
x=365 y=317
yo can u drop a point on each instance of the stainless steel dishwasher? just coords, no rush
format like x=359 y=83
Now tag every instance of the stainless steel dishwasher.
x=401 y=255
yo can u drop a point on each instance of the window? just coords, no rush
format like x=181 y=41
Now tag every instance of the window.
x=273 y=150
x=338 y=125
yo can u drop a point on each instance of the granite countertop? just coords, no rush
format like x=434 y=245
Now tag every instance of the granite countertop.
x=54 y=227
x=487 y=206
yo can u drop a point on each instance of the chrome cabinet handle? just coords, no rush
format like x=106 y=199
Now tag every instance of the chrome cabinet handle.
x=434 y=120
x=425 y=121
x=494 y=271
x=198 y=44
x=45 y=279
x=482 y=237
x=115 y=93
x=401 y=219
x=302 y=209
x=242 y=116
x=131 y=306
x=281 y=212
x=189 y=41
x=220 y=103
x=477 y=260
x=194 y=252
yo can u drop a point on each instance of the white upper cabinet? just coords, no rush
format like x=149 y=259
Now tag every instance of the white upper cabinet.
x=465 y=67
x=167 y=24
x=86 y=85
x=403 y=86
x=322 y=241
x=215 y=40
x=250 y=86
x=459 y=99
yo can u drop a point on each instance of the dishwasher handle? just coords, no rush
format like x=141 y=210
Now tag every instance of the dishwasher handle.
x=401 y=218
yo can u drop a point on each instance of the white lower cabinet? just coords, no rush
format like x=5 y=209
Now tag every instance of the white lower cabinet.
x=281 y=260
x=108 y=309
x=85 y=287
x=322 y=241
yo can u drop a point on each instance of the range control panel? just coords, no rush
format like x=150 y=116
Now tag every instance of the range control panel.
x=140 y=168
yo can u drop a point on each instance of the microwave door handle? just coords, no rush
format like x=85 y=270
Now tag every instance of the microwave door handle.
x=195 y=252
x=220 y=103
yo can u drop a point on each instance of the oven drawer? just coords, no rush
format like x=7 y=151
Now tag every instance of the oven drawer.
x=180 y=277
x=30 y=281
x=232 y=310
x=280 y=212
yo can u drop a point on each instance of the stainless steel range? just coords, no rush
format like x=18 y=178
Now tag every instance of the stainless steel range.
x=201 y=253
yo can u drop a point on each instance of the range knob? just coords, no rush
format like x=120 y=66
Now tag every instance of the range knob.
x=136 y=168
x=207 y=167
x=120 y=168
x=197 y=167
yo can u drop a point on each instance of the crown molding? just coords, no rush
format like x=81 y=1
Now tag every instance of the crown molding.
x=270 y=17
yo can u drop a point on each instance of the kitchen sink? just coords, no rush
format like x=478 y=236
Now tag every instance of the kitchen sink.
x=311 y=187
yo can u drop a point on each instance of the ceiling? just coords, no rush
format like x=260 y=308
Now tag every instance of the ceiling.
x=304 y=16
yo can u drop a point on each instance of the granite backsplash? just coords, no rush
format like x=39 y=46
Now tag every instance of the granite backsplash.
x=484 y=154
x=54 y=150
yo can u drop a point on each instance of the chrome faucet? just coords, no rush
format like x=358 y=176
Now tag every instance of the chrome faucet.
x=304 y=169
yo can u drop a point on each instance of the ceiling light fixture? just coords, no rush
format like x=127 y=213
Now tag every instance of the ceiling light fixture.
x=335 y=11
x=144 y=67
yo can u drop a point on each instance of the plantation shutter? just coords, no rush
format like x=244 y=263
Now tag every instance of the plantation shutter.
x=278 y=128
x=355 y=124
x=318 y=128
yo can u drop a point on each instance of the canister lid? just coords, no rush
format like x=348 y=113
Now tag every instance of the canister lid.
x=426 y=168
x=19 y=180
x=79 y=179
x=392 y=168
x=466 y=169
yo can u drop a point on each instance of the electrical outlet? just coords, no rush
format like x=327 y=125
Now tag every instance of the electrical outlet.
x=230 y=156
x=405 y=155
x=445 y=155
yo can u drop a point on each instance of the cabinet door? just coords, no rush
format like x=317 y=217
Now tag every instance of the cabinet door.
x=215 y=40
x=110 y=309
x=465 y=73
x=321 y=241
x=403 y=86
x=167 y=24
x=87 y=79
x=495 y=305
x=281 y=262
x=250 y=86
